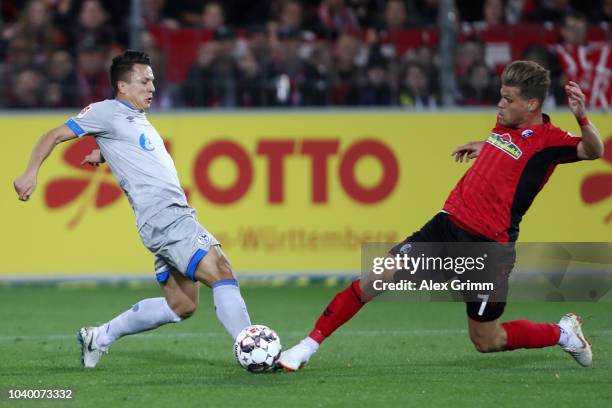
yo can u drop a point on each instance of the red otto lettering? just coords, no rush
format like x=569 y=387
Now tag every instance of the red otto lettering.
x=319 y=151
x=241 y=159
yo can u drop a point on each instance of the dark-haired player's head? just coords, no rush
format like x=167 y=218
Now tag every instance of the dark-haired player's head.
x=132 y=78
x=524 y=89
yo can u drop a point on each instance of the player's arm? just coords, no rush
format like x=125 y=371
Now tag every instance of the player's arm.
x=591 y=146
x=468 y=151
x=26 y=183
x=94 y=158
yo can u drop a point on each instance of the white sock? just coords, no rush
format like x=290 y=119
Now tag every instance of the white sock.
x=230 y=307
x=309 y=343
x=145 y=315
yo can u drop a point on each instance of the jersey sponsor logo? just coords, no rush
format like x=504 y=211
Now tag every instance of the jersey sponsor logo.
x=84 y=111
x=145 y=143
x=505 y=144
x=527 y=133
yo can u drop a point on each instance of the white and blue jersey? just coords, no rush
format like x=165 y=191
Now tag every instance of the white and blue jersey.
x=141 y=164
x=135 y=153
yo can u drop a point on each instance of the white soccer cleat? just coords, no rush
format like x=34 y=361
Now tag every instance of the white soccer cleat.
x=578 y=346
x=294 y=358
x=90 y=352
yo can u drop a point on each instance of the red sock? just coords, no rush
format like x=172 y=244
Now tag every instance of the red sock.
x=526 y=334
x=340 y=310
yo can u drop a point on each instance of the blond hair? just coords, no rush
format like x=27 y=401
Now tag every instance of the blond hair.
x=529 y=77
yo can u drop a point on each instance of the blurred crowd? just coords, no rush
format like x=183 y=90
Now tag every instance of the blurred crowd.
x=292 y=53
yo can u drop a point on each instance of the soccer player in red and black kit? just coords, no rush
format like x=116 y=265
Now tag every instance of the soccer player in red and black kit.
x=487 y=205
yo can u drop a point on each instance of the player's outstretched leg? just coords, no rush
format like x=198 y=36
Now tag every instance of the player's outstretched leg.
x=180 y=302
x=216 y=272
x=145 y=315
x=340 y=310
x=524 y=334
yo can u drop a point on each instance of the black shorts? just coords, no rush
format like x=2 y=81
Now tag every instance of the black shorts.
x=441 y=237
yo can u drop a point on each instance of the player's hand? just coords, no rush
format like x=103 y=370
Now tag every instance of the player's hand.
x=575 y=99
x=94 y=158
x=467 y=151
x=25 y=185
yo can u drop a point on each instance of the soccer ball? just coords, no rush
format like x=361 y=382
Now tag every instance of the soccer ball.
x=257 y=348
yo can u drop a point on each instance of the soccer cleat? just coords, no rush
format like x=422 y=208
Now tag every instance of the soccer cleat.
x=90 y=352
x=579 y=347
x=294 y=358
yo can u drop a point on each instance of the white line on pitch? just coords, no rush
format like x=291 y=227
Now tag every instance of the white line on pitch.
x=360 y=333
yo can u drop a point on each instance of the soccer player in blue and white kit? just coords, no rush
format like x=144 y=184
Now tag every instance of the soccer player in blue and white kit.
x=185 y=252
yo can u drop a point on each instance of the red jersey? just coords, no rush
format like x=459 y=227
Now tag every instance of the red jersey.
x=512 y=167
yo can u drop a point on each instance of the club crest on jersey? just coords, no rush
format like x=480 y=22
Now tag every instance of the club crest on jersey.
x=527 y=133
x=505 y=144
x=406 y=248
x=204 y=239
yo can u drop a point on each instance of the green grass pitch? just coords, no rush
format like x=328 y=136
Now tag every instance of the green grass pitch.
x=391 y=354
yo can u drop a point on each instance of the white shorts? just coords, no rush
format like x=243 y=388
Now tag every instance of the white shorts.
x=178 y=241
